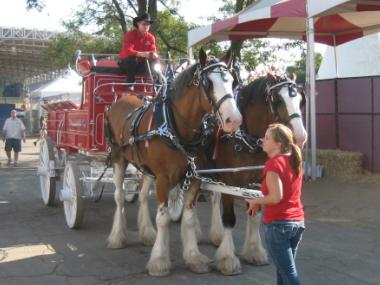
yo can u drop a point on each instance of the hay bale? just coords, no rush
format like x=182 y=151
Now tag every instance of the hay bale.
x=338 y=163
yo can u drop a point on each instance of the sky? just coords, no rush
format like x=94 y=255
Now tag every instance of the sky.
x=15 y=14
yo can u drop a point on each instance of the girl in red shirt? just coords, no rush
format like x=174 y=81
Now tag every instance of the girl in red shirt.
x=283 y=216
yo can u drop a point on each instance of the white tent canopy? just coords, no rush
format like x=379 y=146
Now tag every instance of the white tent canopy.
x=68 y=86
x=332 y=22
x=363 y=55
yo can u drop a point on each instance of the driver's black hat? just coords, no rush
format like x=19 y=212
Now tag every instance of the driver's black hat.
x=144 y=17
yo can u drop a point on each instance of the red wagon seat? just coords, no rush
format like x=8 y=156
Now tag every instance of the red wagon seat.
x=112 y=67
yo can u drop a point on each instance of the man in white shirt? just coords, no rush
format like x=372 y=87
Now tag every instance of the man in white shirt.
x=13 y=132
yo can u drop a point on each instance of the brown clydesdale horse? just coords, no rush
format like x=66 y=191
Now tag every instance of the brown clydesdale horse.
x=264 y=101
x=201 y=88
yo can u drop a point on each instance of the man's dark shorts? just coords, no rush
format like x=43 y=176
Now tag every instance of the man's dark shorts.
x=14 y=144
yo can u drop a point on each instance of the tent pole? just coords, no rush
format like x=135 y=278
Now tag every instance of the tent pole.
x=307 y=146
x=311 y=85
x=190 y=53
x=336 y=58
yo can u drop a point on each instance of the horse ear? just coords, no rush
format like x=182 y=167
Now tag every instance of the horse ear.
x=294 y=76
x=271 y=76
x=227 y=58
x=202 y=57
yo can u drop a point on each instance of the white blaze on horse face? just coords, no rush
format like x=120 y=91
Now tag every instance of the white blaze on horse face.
x=293 y=107
x=222 y=85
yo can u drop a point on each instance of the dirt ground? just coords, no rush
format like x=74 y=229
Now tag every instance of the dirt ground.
x=341 y=244
x=344 y=200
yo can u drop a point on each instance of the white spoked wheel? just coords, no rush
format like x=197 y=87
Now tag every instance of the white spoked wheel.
x=72 y=196
x=175 y=204
x=47 y=183
x=130 y=188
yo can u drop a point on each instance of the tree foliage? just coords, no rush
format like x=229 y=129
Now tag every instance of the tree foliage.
x=110 y=19
x=35 y=4
x=299 y=68
x=61 y=53
x=172 y=34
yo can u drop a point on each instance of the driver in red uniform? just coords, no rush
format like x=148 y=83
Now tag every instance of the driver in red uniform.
x=139 y=48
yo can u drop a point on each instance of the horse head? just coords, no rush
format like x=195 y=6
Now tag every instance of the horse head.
x=286 y=102
x=214 y=78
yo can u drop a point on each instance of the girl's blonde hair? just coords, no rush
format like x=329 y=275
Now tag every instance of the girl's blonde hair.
x=282 y=134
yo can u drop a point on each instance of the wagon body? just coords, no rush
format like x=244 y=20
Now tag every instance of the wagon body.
x=75 y=145
x=80 y=127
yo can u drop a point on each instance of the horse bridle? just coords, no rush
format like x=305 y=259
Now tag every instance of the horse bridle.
x=272 y=103
x=201 y=80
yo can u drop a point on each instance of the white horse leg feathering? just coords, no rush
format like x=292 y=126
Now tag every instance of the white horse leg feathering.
x=118 y=235
x=147 y=232
x=159 y=263
x=216 y=228
x=196 y=261
x=253 y=250
x=227 y=261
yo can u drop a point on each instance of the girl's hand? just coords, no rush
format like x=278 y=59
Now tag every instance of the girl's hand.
x=252 y=207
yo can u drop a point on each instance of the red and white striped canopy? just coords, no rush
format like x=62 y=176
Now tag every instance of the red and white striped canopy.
x=335 y=21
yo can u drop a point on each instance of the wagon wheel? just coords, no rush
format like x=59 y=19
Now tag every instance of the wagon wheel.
x=72 y=196
x=175 y=203
x=47 y=183
x=130 y=188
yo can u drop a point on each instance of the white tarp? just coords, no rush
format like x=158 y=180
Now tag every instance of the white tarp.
x=68 y=86
x=355 y=59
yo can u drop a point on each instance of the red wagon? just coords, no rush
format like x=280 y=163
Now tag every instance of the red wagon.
x=75 y=147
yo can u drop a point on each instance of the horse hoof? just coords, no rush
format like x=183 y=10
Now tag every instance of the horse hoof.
x=159 y=274
x=116 y=243
x=229 y=266
x=159 y=267
x=257 y=259
x=199 y=268
x=260 y=262
x=199 y=264
x=149 y=238
x=235 y=272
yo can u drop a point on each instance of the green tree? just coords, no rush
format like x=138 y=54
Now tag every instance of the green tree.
x=299 y=68
x=251 y=52
x=35 y=4
x=172 y=34
x=112 y=18
x=62 y=51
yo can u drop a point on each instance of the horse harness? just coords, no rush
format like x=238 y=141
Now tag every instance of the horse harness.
x=165 y=124
x=241 y=139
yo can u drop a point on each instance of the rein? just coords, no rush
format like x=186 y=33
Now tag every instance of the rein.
x=271 y=100
x=162 y=112
x=242 y=139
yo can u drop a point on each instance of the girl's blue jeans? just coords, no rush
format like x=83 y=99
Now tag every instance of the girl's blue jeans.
x=282 y=239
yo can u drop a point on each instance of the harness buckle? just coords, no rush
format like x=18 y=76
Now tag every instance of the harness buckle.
x=238 y=147
x=162 y=130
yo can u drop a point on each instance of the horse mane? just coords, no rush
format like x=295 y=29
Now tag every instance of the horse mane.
x=256 y=91
x=182 y=81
